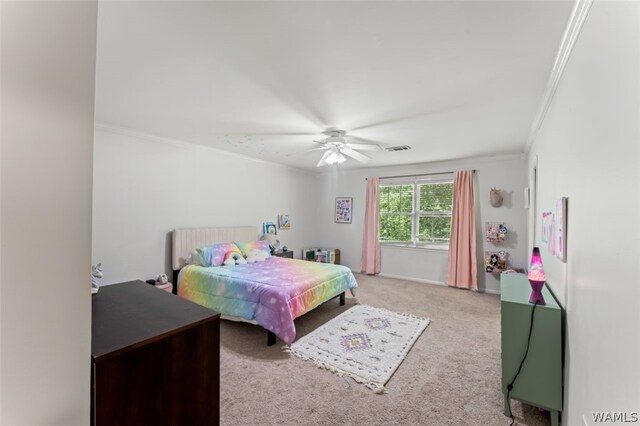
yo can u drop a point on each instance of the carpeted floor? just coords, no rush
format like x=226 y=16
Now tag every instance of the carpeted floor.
x=450 y=377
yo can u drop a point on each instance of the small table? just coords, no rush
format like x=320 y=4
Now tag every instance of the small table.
x=288 y=254
x=168 y=287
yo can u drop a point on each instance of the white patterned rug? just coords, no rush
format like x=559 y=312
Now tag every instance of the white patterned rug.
x=365 y=343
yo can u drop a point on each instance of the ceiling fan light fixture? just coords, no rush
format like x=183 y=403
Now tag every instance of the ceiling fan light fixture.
x=335 y=157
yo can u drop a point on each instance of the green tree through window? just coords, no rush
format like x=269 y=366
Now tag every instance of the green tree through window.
x=416 y=212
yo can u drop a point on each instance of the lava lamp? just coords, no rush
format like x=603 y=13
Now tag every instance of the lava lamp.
x=536 y=277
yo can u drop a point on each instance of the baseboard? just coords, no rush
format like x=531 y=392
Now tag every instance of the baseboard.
x=419 y=280
x=490 y=291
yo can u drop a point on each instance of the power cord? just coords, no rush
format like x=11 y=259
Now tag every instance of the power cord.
x=510 y=385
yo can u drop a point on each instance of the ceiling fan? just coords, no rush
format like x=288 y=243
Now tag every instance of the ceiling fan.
x=336 y=147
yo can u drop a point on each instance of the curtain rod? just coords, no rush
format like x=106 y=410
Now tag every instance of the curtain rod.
x=423 y=174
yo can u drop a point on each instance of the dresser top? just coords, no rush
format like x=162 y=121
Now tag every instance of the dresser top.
x=131 y=314
x=515 y=288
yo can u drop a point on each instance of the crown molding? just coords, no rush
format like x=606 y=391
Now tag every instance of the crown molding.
x=574 y=26
x=440 y=166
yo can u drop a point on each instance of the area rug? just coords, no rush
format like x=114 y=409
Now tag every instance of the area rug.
x=365 y=343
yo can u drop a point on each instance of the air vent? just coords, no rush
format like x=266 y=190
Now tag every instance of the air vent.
x=399 y=148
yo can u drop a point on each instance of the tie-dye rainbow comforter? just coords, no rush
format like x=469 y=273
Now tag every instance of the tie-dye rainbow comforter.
x=273 y=292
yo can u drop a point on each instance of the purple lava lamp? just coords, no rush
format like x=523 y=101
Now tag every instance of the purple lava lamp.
x=536 y=277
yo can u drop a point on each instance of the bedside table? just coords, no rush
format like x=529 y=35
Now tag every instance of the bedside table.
x=288 y=254
x=168 y=287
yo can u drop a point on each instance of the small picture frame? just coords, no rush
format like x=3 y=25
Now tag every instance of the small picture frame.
x=284 y=222
x=344 y=209
x=269 y=228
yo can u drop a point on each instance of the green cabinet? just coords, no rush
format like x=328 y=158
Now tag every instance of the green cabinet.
x=540 y=380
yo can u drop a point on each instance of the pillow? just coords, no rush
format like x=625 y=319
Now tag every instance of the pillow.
x=263 y=245
x=194 y=258
x=213 y=255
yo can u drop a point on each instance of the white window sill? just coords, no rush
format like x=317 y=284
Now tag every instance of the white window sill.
x=409 y=246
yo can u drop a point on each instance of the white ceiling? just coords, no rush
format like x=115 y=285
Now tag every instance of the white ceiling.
x=450 y=79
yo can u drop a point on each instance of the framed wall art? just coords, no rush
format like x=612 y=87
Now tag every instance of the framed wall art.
x=269 y=228
x=560 y=229
x=344 y=206
x=284 y=222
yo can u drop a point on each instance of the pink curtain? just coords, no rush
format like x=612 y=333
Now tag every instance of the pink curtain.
x=370 y=263
x=463 y=266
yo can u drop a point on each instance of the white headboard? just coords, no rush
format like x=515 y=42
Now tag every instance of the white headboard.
x=187 y=240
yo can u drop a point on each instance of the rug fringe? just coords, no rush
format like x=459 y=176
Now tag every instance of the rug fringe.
x=376 y=387
x=404 y=314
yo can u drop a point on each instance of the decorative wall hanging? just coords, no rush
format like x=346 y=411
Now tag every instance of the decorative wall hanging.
x=495 y=232
x=269 y=228
x=343 y=209
x=560 y=229
x=283 y=221
x=495 y=197
x=495 y=261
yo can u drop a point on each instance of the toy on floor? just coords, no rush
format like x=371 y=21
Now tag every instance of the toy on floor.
x=256 y=256
x=234 y=258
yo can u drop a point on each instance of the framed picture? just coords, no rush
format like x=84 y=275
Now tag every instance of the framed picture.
x=283 y=221
x=269 y=228
x=560 y=229
x=344 y=206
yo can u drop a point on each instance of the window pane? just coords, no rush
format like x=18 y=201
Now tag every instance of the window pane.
x=395 y=227
x=436 y=197
x=434 y=229
x=396 y=198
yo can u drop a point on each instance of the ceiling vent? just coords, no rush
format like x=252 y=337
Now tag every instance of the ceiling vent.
x=399 y=148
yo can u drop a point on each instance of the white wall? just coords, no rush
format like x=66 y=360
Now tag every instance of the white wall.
x=48 y=69
x=506 y=173
x=145 y=186
x=588 y=149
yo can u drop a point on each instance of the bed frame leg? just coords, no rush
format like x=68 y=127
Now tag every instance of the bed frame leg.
x=342 y=298
x=271 y=338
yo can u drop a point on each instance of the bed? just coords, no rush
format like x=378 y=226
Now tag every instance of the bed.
x=271 y=293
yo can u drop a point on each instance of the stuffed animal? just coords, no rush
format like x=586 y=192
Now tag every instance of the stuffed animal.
x=234 y=258
x=96 y=276
x=256 y=256
x=495 y=262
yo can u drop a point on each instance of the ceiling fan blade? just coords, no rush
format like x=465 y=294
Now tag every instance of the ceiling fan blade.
x=364 y=146
x=367 y=141
x=321 y=162
x=355 y=155
x=306 y=150
x=323 y=142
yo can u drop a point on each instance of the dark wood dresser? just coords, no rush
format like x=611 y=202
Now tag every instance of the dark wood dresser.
x=155 y=358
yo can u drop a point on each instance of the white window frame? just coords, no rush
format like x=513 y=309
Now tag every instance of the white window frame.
x=416 y=214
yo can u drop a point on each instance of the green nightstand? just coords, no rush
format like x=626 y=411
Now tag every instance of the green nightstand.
x=540 y=381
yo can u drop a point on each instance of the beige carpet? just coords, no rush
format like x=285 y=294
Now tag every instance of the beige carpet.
x=450 y=377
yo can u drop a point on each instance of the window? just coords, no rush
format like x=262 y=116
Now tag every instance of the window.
x=416 y=211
